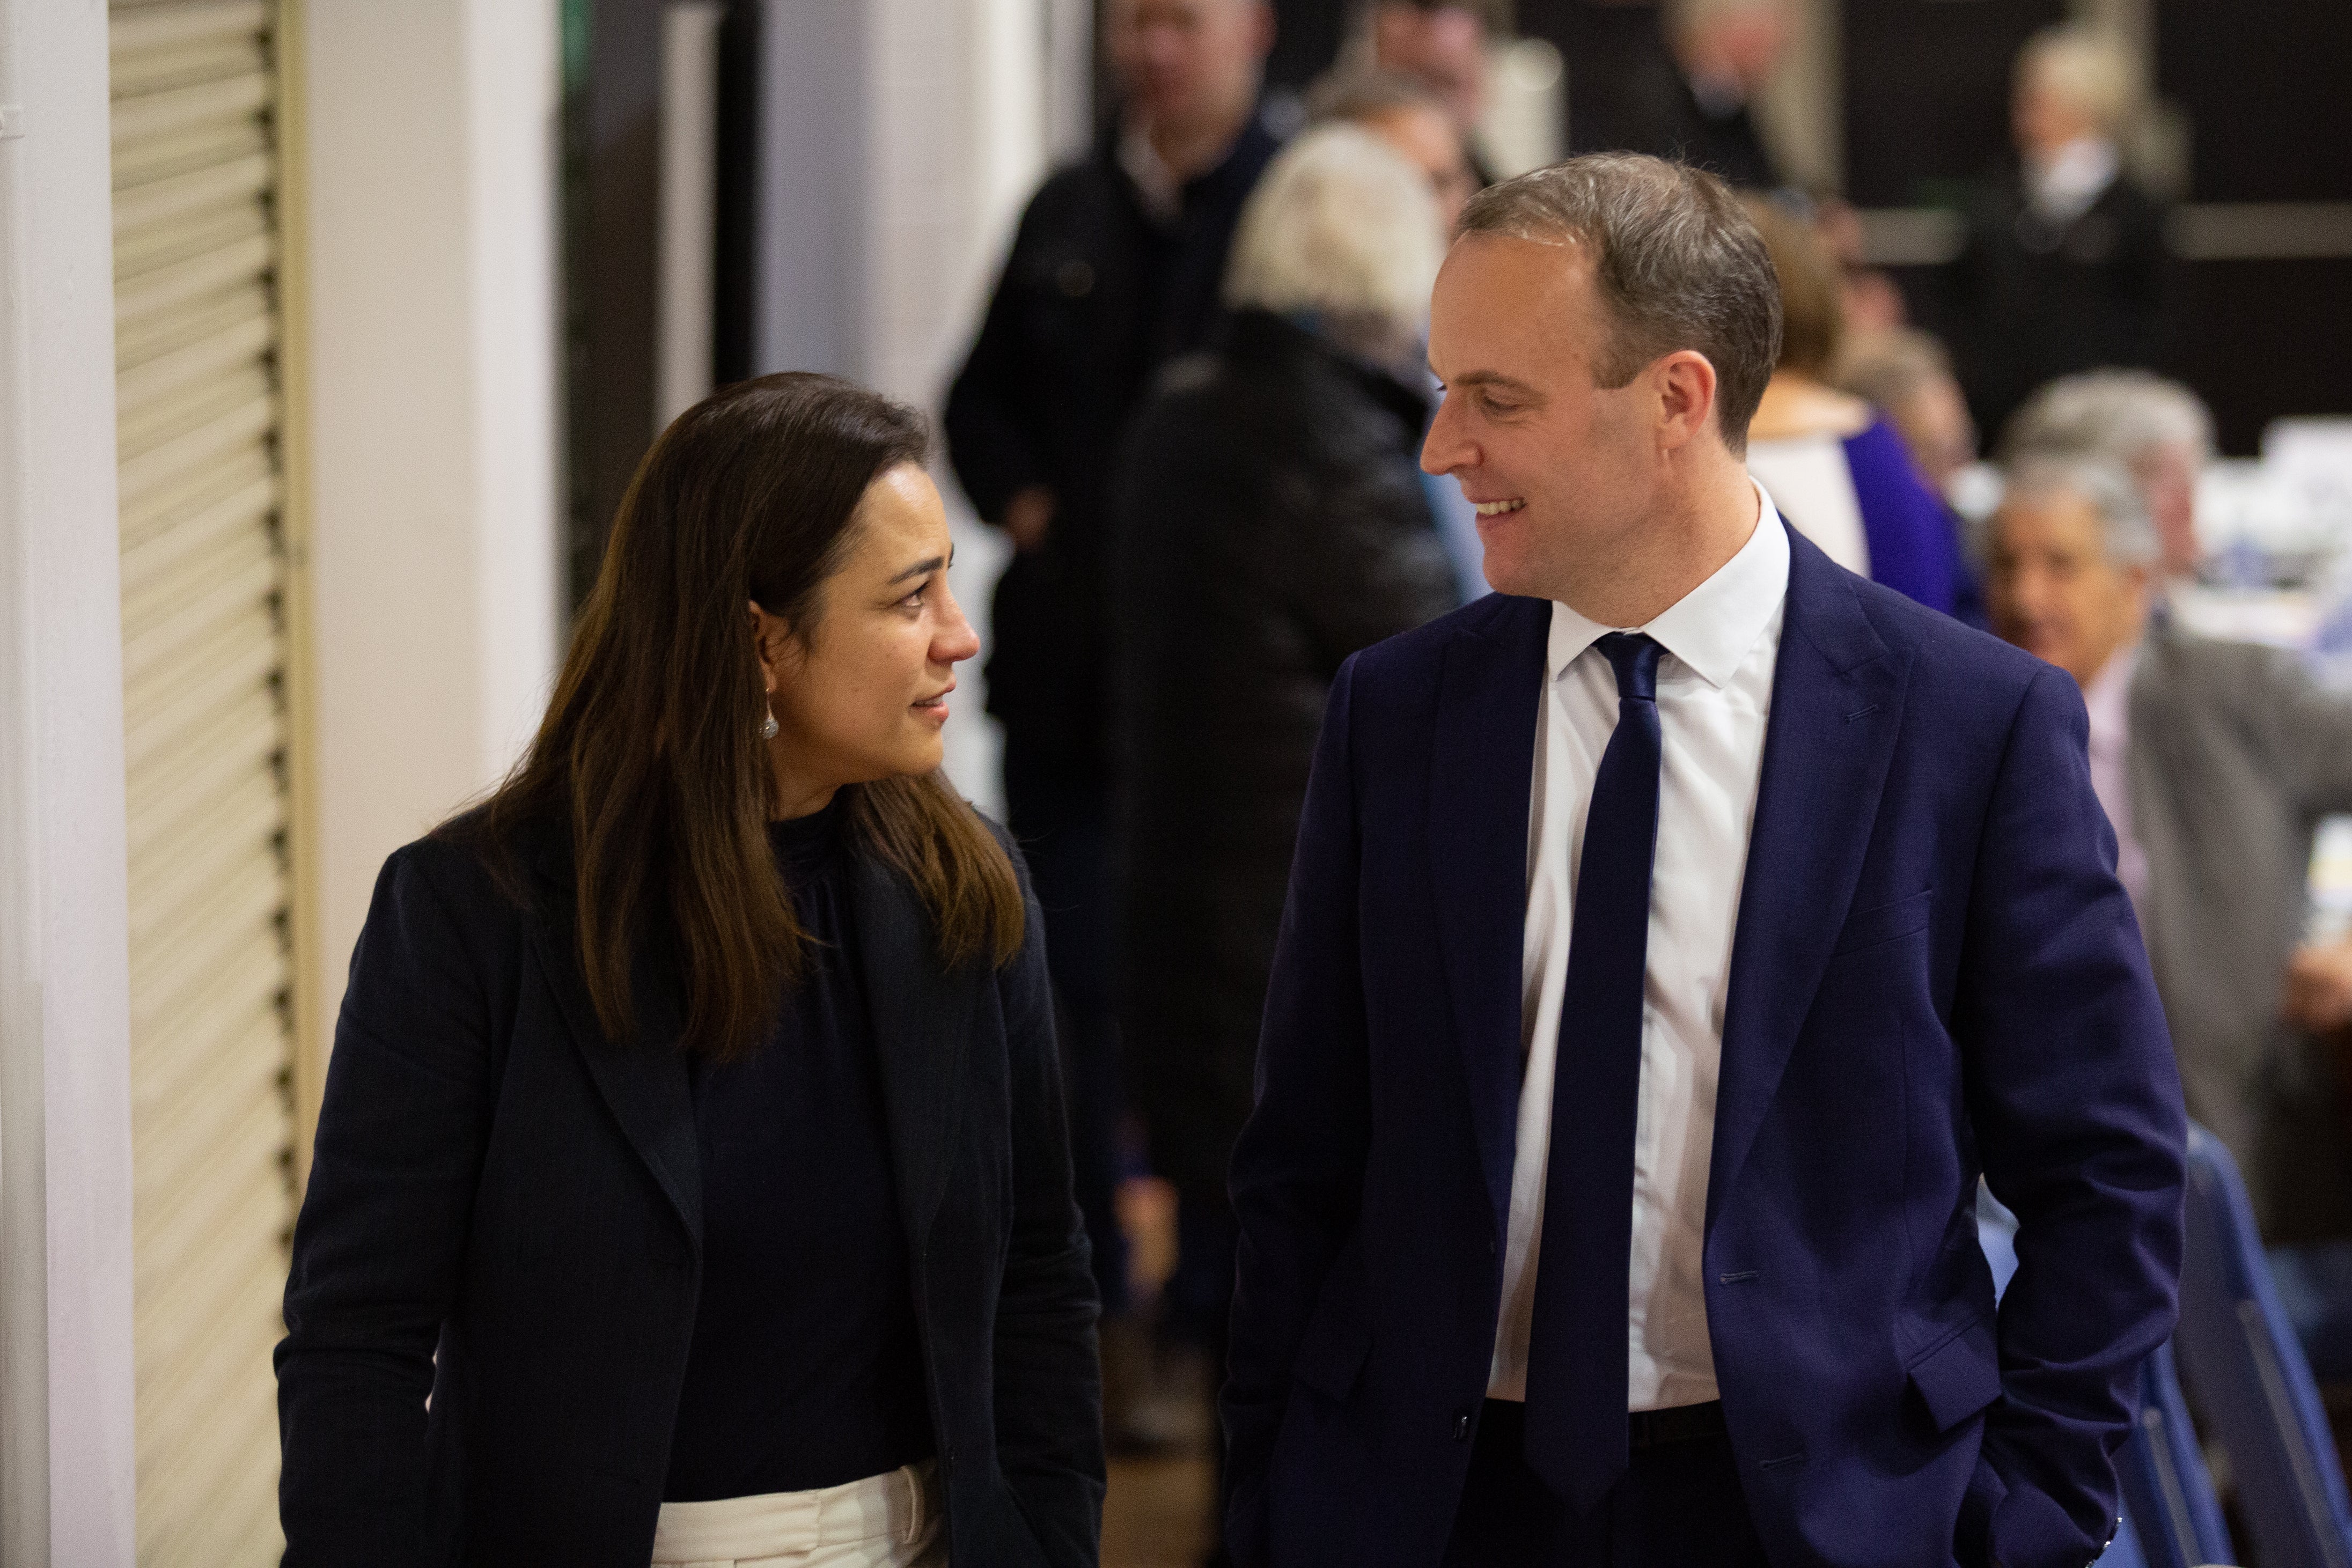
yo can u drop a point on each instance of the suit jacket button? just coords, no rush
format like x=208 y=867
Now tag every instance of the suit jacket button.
x=1461 y=1428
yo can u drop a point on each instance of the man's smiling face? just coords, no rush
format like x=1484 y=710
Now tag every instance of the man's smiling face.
x=1560 y=467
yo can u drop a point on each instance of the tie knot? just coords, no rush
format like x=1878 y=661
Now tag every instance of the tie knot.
x=1634 y=657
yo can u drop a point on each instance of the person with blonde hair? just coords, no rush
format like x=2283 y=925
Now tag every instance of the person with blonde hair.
x=1269 y=522
x=2066 y=265
x=1836 y=468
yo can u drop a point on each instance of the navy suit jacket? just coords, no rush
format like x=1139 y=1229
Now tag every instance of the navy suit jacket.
x=1935 y=972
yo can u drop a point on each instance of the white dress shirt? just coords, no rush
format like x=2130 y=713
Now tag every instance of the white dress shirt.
x=1721 y=641
x=2108 y=703
x=2066 y=185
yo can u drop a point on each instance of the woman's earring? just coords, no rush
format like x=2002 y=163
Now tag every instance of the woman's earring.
x=768 y=726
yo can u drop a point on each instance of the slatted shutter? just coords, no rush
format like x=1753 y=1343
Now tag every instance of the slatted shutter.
x=205 y=658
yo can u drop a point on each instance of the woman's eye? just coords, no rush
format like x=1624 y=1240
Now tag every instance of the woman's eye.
x=915 y=600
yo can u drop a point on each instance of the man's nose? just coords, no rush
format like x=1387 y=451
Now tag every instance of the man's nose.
x=1444 y=448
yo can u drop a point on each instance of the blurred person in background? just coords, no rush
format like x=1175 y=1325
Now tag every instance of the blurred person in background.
x=692 y=1183
x=2157 y=431
x=1407 y=113
x=1402 y=111
x=1836 y=470
x=2214 y=761
x=1443 y=44
x=1114 y=271
x=1271 y=521
x=2064 y=266
x=1872 y=301
x=1906 y=375
x=1691 y=101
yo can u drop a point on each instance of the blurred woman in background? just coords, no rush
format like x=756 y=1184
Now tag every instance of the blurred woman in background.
x=693 y=1139
x=1836 y=470
x=1271 y=521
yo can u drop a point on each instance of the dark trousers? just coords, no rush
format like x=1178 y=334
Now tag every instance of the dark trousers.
x=1063 y=828
x=1678 y=1506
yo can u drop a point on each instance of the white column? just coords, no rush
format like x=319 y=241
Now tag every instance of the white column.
x=66 y=1436
x=433 y=147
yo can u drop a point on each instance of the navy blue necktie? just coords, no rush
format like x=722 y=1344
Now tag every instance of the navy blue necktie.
x=1576 y=1420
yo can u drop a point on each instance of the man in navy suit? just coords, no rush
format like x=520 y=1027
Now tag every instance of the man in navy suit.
x=1673 y=938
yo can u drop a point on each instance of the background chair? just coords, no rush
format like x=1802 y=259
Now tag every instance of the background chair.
x=2253 y=1387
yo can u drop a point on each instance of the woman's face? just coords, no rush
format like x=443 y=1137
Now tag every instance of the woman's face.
x=862 y=693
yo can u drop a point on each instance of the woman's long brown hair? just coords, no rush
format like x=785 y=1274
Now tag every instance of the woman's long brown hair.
x=651 y=752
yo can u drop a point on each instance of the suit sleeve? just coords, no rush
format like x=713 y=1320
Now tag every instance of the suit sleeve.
x=1048 y=1387
x=1298 y=1168
x=2075 y=1101
x=992 y=417
x=383 y=1231
x=2309 y=730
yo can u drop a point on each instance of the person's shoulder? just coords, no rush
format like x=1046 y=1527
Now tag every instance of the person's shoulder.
x=1073 y=192
x=1946 y=652
x=1413 y=656
x=481 y=867
x=2222 y=672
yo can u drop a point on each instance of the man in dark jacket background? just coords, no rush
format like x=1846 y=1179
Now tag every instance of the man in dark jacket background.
x=1114 y=271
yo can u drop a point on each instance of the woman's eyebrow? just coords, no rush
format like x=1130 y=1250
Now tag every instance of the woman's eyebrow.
x=923 y=569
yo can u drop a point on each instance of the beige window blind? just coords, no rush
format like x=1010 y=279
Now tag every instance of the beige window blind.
x=198 y=333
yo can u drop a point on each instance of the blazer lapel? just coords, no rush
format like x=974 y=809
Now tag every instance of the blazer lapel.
x=1837 y=700
x=923 y=1016
x=1481 y=769
x=643 y=1081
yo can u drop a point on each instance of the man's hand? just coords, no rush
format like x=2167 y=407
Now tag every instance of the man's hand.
x=1029 y=517
x=2319 y=986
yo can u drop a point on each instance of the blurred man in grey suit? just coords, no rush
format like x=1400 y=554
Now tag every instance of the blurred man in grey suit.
x=2214 y=761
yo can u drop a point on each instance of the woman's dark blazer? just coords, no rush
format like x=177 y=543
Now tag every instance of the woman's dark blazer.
x=505 y=1211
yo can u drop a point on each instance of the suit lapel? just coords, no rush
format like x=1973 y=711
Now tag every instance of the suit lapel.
x=644 y=1082
x=1837 y=701
x=923 y=1016
x=1481 y=769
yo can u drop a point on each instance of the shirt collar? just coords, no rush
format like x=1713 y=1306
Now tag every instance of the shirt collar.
x=2062 y=186
x=1712 y=628
x=1162 y=193
x=2108 y=701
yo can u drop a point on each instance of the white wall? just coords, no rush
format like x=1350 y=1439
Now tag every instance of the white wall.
x=434 y=147
x=964 y=100
x=65 y=1438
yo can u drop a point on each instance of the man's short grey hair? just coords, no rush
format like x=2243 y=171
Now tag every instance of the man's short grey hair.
x=2118 y=415
x=2126 y=532
x=1676 y=262
x=1357 y=96
x=1342 y=227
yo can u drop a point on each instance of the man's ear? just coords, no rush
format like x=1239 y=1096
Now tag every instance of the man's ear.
x=1685 y=386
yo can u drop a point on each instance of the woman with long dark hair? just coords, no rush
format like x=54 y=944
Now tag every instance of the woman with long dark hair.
x=693 y=1137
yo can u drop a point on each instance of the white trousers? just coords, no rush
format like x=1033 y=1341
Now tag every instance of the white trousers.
x=883 y=1521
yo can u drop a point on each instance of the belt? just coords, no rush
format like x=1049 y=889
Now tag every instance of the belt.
x=1682 y=1423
